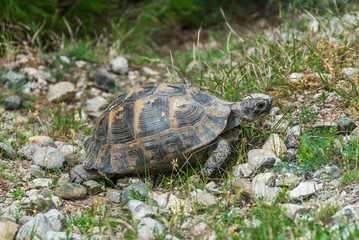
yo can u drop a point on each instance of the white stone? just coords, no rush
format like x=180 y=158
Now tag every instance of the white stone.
x=294 y=77
x=149 y=71
x=259 y=158
x=148 y=228
x=305 y=189
x=350 y=72
x=48 y=157
x=261 y=190
x=41 y=182
x=65 y=59
x=38 y=226
x=267 y=178
x=60 y=91
x=243 y=170
x=290 y=210
x=275 y=144
x=119 y=65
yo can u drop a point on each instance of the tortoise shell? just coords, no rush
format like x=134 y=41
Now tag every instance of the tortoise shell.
x=146 y=128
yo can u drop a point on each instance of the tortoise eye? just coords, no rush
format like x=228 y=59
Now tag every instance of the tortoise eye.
x=260 y=105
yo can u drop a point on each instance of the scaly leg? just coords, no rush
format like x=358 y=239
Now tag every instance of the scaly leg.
x=217 y=157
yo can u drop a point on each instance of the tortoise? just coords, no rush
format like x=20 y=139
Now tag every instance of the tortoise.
x=148 y=127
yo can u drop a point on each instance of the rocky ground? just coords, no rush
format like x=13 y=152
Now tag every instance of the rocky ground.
x=303 y=175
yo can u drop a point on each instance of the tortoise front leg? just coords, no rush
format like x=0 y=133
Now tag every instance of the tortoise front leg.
x=217 y=157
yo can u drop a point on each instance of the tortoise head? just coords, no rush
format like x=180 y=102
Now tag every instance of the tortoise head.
x=253 y=108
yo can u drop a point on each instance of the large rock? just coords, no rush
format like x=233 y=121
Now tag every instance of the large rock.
x=7 y=151
x=8 y=230
x=242 y=170
x=71 y=191
x=35 y=229
x=305 y=189
x=105 y=80
x=275 y=144
x=260 y=158
x=346 y=124
x=149 y=228
x=119 y=65
x=261 y=191
x=48 y=157
x=13 y=79
x=12 y=102
x=137 y=190
x=61 y=91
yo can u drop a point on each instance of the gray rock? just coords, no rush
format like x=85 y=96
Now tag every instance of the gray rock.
x=295 y=77
x=267 y=178
x=292 y=137
x=143 y=210
x=255 y=223
x=81 y=64
x=65 y=59
x=68 y=150
x=35 y=229
x=149 y=228
x=149 y=71
x=346 y=124
x=61 y=91
x=95 y=105
x=287 y=181
x=291 y=141
x=115 y=196
x=41 y=182
x=55 y=216
x=12 y=102
x=37 y=202
x=242 y=170
x=291 y=210
x=71 y=191
x=317 y=174
x=275 y=144
x=243 y=186
x=42 y=141
x=334 y=172
x=105 y=80
x=350 y=72
x=8 y=230
x=7 y=151
x=48 y=157
x=205 y=198
x=136 y=190
x=53 y=235
x=92 y=186
x=274 y=111
x=133 y=203
x=291 y=154
x=171 y=202
x=305 y=189
x=119 y=65
x=199 y=228
x=347 y=214
x=259 y=158
x=268 y=194
x=13 y=79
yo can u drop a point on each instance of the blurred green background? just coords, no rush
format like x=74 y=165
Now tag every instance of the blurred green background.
x=41 y=22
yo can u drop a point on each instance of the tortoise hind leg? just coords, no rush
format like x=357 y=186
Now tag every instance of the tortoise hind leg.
x=79 y=174
x=217 y=157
